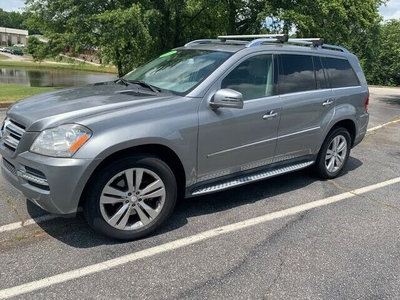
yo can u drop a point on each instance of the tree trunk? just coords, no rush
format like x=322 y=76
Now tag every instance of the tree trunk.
x=161 y=6
x=119 y=63
x=179 y=4
x=232 y=17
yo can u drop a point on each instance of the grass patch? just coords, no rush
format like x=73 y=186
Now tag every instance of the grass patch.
x=14 y=92
x=43 y=65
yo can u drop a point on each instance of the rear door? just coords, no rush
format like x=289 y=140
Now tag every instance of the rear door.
x=307 y=105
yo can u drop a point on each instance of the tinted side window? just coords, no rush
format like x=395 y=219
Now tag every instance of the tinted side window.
x=319 y=73
x=253 y=77
x=341 y=74
x=297 y=74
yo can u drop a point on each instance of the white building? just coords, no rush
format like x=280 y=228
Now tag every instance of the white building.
x=13 y=36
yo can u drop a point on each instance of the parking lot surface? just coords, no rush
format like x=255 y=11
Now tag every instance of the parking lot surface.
x=290 y=237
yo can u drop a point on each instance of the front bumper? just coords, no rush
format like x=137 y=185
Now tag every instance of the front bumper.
x=54 y=184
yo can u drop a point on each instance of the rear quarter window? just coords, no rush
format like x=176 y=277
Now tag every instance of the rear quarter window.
x=340 y=72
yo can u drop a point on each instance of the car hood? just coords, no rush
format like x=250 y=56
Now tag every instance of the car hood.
x=75 y=104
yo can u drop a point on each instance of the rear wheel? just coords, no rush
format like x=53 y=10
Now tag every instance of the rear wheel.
x=131 y=197
x=334 y=153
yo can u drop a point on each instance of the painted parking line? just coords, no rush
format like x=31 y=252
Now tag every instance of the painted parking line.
x=112 y=263
x=383 y=125
x=38 y=220
x=18 y=225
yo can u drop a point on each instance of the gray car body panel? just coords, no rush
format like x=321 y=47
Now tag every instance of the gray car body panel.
x=236 y=145
x=210 y=143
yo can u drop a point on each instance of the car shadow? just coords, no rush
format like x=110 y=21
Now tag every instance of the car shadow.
x=393 y=100
x=76 y=232
x=352 y=164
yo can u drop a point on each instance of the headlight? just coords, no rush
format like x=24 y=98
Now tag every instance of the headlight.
x=62 y=141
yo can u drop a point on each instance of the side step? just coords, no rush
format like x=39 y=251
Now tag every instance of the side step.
x=250 y=178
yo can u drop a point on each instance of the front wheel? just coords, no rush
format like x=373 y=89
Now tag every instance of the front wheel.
x=334 y=153
x=131 y=197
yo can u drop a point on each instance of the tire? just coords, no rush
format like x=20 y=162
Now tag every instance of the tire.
x=115 y=207
x=330 y=160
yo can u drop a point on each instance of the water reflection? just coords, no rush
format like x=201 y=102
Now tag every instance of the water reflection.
x=51 y=77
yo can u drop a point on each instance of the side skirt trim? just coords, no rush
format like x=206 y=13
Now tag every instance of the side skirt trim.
x=230 y=183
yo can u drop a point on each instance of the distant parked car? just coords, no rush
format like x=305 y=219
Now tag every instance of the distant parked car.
x=2 y=49
x=6 y=50
x=16 y=52
x=19 y=45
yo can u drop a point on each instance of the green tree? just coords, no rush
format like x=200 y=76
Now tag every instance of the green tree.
x=117 y=29
x=334 y=20
x=13 y=19
x=123 y=37
x=387 y=71
x=38 y=49
x=16 y=20
x=4 y=21
x=129 y=32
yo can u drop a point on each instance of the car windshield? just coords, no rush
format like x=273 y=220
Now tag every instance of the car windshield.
x=178 y=71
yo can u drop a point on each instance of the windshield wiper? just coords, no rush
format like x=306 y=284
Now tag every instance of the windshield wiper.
x=146 y=85
x=123 y=81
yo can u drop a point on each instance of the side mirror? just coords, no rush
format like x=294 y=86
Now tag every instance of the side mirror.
x=227 y=98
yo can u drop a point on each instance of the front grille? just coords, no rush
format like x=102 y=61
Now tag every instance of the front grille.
x=10 y=167
x=12 y=133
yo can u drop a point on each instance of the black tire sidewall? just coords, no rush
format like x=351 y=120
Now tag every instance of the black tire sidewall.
x=320 y=162
x=92 y=201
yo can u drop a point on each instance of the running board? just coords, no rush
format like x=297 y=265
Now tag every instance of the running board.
x=250 y=178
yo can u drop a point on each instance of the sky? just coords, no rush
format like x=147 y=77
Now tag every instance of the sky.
x=391 y=10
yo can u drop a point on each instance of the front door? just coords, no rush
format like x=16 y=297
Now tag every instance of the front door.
x=234 y=140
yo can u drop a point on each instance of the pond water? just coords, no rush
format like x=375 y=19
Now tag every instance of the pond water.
x=52 y=77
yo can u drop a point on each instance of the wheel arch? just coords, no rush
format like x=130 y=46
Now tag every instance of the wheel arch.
x=347 y=124
x=163 y=152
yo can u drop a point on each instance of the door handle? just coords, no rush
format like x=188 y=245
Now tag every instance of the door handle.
x=270 y=115
x=328 y=102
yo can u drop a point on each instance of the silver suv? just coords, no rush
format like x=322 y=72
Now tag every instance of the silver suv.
x=209 y=116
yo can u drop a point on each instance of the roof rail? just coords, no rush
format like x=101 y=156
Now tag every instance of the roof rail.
x=259 y=39
x=280 y=37
x=317 y=43
x=334 y=47
x=215 y=41
x=309 y=41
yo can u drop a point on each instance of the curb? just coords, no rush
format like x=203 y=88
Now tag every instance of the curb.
x=5 y=105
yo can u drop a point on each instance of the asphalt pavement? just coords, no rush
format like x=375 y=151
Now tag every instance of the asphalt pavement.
x=290 y=237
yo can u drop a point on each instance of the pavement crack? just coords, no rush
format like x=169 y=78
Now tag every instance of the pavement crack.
x=188 y=294
x=13 y=207
x=275 y=280
x=22 y=237
x=347 y=190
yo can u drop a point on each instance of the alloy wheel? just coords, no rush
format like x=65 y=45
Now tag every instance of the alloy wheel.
x=132 y=199
x=336 y=153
